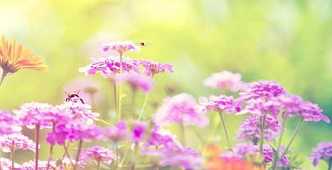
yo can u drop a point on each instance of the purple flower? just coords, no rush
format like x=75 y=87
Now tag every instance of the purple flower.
x=121 y=47
x=6 y=164
x=110 y=66
x=250 y=129
x=152 y=68
x=225 y=80
x=9 y=123
x=42 y=165
x=321 y=152
x=263 y=90
x=181 y=108
x=97 y=153
x=77 y=111
x=221 y=104
x=32 y=114
x=136 y=81
x=185 y=158
x=138 y=131
x=269 y=152
x=16 y=141
x=117 y=132
x=312 y=113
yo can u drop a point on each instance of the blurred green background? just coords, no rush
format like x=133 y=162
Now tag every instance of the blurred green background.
x=287 y=41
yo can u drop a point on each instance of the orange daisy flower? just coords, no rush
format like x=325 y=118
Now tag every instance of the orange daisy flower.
x=14 y=56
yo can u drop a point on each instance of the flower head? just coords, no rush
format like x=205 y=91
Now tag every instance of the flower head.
x=121 y=47
x=250 y=129
x=14 y=57
x=322 y=151
x=152 y=68
x=16 y=141
x=117 y=132
x=138 y=131
x=136 y=81
x=97 y=153
x=9 y=123
x=262 y=89
x=225 y=80
x=221 y=104
x=181 y=108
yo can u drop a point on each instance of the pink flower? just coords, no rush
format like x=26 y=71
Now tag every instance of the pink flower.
x=152 y=68
x=42 y=165
x=138 y=131
x=17 y=142
x=9 y=123
x=221 y=104
x=117 y=132
x=97 y=153
x=136 y=81
x=181 y=108
x=121 y=47
x=225 y=80
x=32 y=114
x=78 y=112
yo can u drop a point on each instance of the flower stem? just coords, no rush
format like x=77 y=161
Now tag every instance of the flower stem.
x=297 y=128
x=222 y=119
x=115 y=96
x=330 y=164
x=3 y=75
x=140 y=116
x=133 y=101
x=37 y=131
x=276 y=154
x=12 y=154
x=119 y=91
x=50 y=151
x=78 y=154
x=261 y=141
x=182 y=133
x=98 y=165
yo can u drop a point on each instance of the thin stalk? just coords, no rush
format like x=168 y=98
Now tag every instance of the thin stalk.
x=222 y=119
x=330 y=164
x=261 y=141
x=65 y=148
x=135 y=154
x=120 y=91
x=98 y=165
x=182 y=133
x=133 y=101
x=115 y=95
x=3 y=75
x=116 y=156
x=51 y=150
x=37 y=131
x=276 y=154
x=141 y=114
x=78 y=154
x=12 y=155
x=297 y=128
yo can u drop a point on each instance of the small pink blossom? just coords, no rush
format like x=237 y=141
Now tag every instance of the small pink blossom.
x=121 y=47
x=97 y=153
x=136 y=81
x=17 y=142
x=117 y=132
x=181 y=108
x=225 y=80
x=9 y=123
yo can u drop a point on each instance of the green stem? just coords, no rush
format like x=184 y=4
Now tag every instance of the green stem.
x=276 y=154
x=261 y=141
x=115 y=95
x=141 y=114
x=297 y=128
x=78 y=154
x=12 y=155
x=330 y=164
x=3 y=75
x=120 y=92
x=51 y=150
x=182 y=133
x=133 y=101
x=98 y=165
x=222 y=119
x=37 y=131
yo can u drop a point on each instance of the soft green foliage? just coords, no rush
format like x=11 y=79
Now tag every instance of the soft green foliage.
x=287 y=41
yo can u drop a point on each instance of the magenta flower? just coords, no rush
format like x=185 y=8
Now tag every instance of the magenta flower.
x=312 y=113
x=17 y=142
x=121 y=47
x=185 y=158
x=6 y=164
x=138 y=131
x=225 y=80
x=250 y=129
x=152 y=68
x=181 y=108
x=116 y=133
x=77 y=111
x=323 y=151
x=9 y=123
x=263 y=90
x=109 y=66
x=221 y=104
x=32 y=114
x=269 y=152
x=97 y=153
x=42 y=165
x=136 y=81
